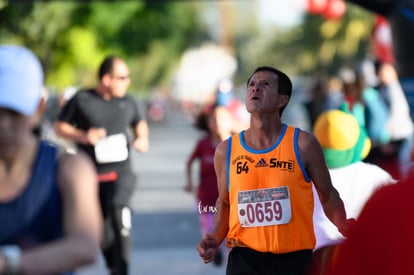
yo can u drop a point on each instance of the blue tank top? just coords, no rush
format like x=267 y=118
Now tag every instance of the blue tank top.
x=35 y=216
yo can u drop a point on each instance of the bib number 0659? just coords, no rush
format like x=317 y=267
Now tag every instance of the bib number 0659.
x=259 y=212
x=263 y=208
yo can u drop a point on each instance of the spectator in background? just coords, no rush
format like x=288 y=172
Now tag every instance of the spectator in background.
x=317 y=102
x=217 y=123
x=99 y=122
x=49 y=209
x=394 y=155
x=368 y=107
x=325 y=94
x=387 y=117
x=225 y=97
x=353 y=101
x=335 y=95
x=345 y=144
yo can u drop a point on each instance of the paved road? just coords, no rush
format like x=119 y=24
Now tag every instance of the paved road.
x=165 y=222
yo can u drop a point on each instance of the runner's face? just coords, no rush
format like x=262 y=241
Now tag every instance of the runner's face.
x=262 y=92
x=120 y=80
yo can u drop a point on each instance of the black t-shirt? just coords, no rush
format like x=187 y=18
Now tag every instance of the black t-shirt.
x=88 y=109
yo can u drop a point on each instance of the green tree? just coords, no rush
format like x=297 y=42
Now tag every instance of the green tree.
x=316 y=46
x=71 y=38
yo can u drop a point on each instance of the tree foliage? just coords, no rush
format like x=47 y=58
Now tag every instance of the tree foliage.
x=71 y=38
x=319 y=45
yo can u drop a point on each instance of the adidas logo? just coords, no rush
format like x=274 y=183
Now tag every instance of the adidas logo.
x=261 y=163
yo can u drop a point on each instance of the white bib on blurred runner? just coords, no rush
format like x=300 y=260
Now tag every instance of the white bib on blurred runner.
x=112 y=149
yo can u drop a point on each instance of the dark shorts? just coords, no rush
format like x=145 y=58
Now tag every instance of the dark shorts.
x=245 y=261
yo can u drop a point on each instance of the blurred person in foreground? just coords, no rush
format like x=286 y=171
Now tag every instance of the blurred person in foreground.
x=345 y=144
x=265 y=176
x=100 y=121
x=381 y=241
x=217 y=122
x=49 y=209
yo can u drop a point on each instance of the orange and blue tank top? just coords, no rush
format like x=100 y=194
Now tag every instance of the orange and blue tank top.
x=270 y=192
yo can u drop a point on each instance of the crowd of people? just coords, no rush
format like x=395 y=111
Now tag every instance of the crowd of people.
x=372 y=93
x=271 y=198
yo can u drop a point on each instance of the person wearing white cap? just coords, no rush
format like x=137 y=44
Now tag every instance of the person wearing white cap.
x=49 y=210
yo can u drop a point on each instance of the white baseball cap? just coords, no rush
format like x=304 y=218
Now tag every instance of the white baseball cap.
x=21 y=79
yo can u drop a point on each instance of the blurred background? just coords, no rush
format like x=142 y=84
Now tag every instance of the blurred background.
x=184 y=55
x=181 y=50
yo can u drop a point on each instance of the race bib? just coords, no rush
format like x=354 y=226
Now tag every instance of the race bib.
x=263 y=207
x=111 y=149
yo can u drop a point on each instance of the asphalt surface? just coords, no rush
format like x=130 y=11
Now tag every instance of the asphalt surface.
x=165 y=221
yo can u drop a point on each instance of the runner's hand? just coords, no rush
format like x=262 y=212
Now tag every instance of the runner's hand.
x=94 y=135
x=346 y=226
x=207 y=248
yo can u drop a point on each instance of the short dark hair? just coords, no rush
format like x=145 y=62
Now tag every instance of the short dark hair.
x=106 y=65
x=283 y=80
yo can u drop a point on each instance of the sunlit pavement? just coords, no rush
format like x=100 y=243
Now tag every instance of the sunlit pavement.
x=165 y=222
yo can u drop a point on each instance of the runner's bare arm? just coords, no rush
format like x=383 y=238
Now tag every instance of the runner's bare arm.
x=70 y=132
x=141 y=132
x=314 y=161
x=221 y=219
